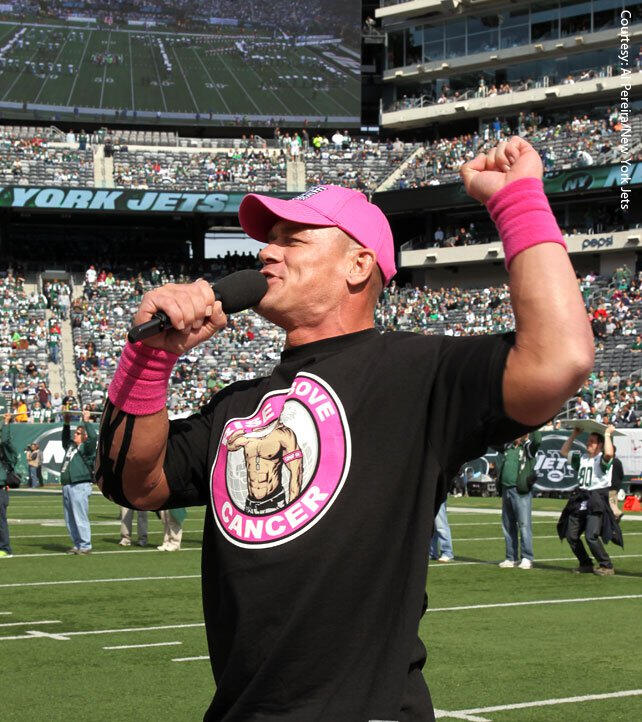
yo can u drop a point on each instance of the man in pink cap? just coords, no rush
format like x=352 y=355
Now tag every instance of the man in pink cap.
x=313 y=590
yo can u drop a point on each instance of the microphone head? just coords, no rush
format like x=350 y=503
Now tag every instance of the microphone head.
x=241 y=290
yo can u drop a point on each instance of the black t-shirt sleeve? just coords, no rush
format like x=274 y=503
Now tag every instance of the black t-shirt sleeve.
x=188 y=445
x=467 y=407
x=185 y=463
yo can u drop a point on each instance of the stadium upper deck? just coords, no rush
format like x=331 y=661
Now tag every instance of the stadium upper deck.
x=534 y=49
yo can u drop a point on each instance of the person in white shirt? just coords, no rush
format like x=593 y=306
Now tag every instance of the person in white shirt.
x=588 y=509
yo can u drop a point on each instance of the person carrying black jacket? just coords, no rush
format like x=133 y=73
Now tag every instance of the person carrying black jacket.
x=588 y=510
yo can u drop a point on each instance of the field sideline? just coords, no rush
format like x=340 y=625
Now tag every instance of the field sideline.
x=119 y=634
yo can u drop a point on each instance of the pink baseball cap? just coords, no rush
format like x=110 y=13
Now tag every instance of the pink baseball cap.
x=325 y=206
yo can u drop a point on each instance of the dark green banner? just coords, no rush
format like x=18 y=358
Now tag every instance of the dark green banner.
x=592 y=178
x=48 y=198
x=121 y=201
x=49 y=438
x=554 y=473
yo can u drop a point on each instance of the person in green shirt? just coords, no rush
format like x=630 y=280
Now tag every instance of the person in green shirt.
x=515 y=474
x=76 y=476
x=8 y=461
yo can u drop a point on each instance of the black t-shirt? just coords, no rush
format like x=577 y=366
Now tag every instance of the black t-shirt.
x=321 y=483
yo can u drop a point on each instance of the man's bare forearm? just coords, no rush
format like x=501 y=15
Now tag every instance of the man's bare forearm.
x=609 y=452
x=553 y=351
x=139 y=473
x=566 y=448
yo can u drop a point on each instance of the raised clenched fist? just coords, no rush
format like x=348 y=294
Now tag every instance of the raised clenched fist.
x=506 y=162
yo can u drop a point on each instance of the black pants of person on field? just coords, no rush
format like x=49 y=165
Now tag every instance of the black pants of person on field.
x=591 y=525
x=5 y=545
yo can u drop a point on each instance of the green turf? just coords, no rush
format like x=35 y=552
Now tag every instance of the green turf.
x=477 y=658
x=207 y=74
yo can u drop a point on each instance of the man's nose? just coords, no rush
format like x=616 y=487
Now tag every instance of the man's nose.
x=270 y=253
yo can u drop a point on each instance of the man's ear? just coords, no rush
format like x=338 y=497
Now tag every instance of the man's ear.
x=363 y=262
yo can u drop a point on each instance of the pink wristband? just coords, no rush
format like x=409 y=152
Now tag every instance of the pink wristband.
x=140 y=384
x=523 y=217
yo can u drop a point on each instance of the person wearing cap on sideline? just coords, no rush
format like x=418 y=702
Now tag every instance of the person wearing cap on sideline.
x=312 y=607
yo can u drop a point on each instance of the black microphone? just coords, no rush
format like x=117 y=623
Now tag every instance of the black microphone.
x=236 y=292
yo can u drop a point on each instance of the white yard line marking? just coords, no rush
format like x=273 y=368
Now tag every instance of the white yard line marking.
x=155 y=533
x=44 y=82
x=459 y=715
x=93 y=553
x=20 y=74
x=189 y=659
x=211 y=79
x=6 y=613
x=630 y=516
x=539 y=536
x=187 y=85
x=539 y=703
x=577 y=600
x=436 y=565
x=131 y=71
x=102 y=87
x=34 y=634
x=150 y=47
x=485 y=523
x=66 y=635
x=97 y=581
x=71 y=92
x=140 y=646
x=483 y=510
x=240 y=85
x=23 y=624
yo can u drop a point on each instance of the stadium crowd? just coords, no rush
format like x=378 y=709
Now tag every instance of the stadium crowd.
x=102 y=315
x=247 y=168
x=34 y=160
x=587 y=140
x=28 y=340
x=256 y=164
x=305 y=17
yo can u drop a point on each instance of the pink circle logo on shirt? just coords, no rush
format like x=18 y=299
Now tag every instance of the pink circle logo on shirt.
x=277 y=472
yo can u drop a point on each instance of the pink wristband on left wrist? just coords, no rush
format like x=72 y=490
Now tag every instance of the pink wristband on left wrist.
x=139 y=386
x=523 y=217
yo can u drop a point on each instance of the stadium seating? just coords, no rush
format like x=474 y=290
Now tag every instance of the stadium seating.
x=158 y=159
x=561 y=146
x=358 y=163
x=250 y=346
x=32 y=159
x=24 y=338
x=247 y=169
x=102 y=317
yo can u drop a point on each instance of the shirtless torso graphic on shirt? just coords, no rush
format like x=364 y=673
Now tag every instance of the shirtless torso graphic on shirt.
x=264 y=459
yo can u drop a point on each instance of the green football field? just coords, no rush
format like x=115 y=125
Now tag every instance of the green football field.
x=60 y=68
x=119 y=635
